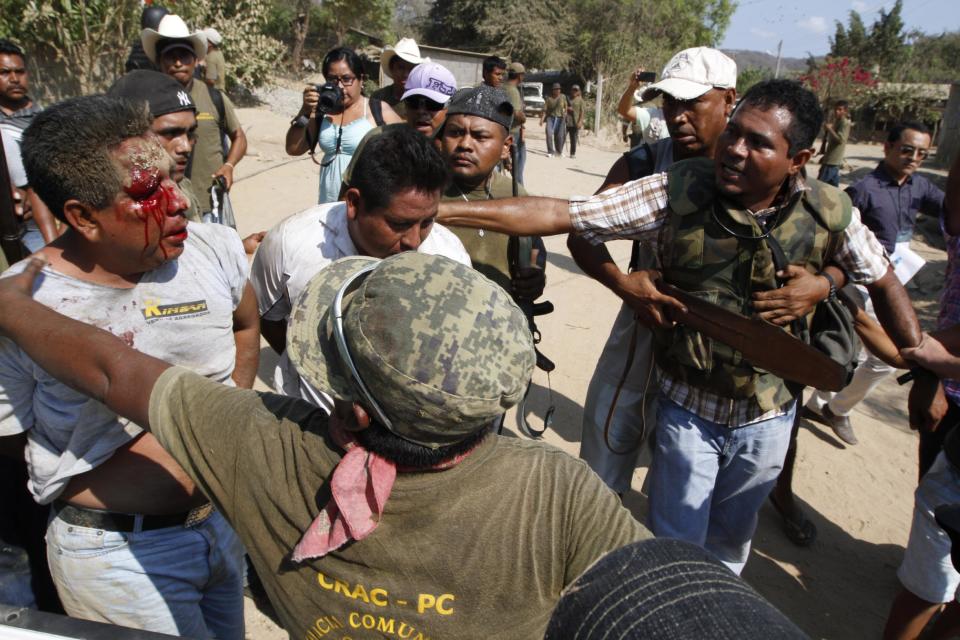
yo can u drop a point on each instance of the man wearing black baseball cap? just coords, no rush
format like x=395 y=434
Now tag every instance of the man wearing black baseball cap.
x=474 y=138
x=174 y=121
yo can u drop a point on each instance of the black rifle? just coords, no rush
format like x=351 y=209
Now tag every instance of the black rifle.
x=10 y=229
x=519 y=257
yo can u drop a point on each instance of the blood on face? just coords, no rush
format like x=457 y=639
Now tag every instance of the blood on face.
x=151 y=200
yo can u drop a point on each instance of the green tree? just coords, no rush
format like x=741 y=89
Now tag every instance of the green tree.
x=250 y=53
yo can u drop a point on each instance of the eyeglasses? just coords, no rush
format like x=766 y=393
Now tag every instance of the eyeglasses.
x=346 y=81
x=341 y=340
x=423 y=102
x=913 y=152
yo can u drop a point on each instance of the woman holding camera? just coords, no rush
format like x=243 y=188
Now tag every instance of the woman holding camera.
x=336 y=116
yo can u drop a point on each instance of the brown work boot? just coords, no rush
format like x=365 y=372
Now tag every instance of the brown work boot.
x=840 y=424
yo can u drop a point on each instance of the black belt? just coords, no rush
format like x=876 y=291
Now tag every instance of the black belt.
x=126 y=522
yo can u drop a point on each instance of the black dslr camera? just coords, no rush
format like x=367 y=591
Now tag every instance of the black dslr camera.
x=331 y=98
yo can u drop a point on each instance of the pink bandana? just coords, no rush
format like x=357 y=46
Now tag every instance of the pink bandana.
x=361 y=484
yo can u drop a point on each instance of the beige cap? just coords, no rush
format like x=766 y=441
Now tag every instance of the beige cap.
x=407 y=49
x=693 y=72
x=172 y=27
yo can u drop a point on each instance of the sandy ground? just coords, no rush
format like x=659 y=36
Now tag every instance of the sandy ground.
x=859 y=497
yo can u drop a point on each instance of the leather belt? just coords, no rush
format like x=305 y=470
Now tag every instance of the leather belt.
x=126 y=522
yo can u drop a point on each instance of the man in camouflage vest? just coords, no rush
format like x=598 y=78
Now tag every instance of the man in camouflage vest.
x=384 y=517
x=723 y=425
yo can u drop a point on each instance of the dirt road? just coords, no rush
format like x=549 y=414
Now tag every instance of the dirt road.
x=859 y=497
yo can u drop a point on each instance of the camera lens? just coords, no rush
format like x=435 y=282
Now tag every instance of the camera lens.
x=330 y=100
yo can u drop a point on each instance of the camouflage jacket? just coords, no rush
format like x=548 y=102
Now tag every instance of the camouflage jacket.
x=717 y=251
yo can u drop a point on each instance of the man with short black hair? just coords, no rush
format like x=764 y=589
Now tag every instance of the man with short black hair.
x=554 y=111
x=835 y=144
x=493 y=70
x=889 y=198
x=723 y=425
x=133 y=541
x=17 y=110
x=176 y=51
x=389 y=206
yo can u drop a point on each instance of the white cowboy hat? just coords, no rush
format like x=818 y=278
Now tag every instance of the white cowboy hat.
x=407 y=49
x=172 y=27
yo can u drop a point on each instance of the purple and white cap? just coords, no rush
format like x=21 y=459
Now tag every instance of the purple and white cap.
x=432 y=80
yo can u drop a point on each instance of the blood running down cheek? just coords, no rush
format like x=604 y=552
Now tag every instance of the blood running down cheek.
x=152 y=200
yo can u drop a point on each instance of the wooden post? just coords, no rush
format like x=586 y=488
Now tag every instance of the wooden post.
x=599 y=105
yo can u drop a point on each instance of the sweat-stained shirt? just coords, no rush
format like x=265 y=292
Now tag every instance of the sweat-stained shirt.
x=480 y=550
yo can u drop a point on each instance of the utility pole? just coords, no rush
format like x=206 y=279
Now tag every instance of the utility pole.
x=776 y=74
x=596 y=111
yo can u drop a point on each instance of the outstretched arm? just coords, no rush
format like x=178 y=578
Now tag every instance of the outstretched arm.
x=527 y=216
x=894 y=310
x=109 y=371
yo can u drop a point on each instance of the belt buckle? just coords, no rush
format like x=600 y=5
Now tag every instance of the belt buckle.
x=198 y=515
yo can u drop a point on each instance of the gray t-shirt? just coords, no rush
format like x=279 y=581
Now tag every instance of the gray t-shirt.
x=181 y=312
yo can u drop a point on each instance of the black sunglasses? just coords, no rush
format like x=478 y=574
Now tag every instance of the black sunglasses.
x=423 y=102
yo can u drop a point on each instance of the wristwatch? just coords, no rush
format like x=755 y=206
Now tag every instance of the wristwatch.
x=833 y=285
x=300 y=121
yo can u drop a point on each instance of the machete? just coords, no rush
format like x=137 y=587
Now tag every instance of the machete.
x=763 y=344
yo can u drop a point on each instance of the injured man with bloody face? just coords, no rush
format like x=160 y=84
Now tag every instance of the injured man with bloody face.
x=130 y=540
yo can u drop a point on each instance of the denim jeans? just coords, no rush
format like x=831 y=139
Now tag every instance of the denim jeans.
x=829 y=173
x=556 y=135
x=177 y=580
x=521 y=159
x=708 y=481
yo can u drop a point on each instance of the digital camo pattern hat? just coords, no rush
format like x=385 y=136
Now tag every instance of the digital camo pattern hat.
x=443 y=350
x=484 y=101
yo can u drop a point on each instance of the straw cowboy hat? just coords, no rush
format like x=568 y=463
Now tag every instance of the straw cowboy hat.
x=407 y=49
x=172 y=27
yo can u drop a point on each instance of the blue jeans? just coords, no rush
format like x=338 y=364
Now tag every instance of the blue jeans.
x=556 y=134
x=708 y=481
x=177 y=580
x=829 y=173
x=521 y=159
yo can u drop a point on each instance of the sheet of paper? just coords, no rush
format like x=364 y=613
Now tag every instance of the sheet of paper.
x=906 y=262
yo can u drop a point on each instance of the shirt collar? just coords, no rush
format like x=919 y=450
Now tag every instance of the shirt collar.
x=336 y=225
x=30 y=110
x=884 y=175
x=789 y=193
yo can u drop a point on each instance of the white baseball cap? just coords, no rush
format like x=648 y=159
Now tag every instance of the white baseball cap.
x=431 y=80
x=213 y=36
x=406 y=48
x=693 y=72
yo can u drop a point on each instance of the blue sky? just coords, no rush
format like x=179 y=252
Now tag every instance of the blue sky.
x=806 y=26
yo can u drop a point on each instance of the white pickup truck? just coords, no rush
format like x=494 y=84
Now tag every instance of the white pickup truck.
x=532 y=93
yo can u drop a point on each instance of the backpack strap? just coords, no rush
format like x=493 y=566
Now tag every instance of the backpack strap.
x=376 y=108
x=217 y=97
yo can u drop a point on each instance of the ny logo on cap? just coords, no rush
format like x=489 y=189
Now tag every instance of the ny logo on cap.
x=184 y=98
x=438 y=85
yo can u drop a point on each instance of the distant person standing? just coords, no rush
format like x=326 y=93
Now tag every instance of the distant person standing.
x=397 y=62
x=215 y=74
x=493 y=70
x=554 y=109
x=574 y=121
x=513 y=87
x=17 y=111
x=646 y=124
x=835 y=144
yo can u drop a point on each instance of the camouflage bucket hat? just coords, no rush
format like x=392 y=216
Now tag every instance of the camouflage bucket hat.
x=442 y=349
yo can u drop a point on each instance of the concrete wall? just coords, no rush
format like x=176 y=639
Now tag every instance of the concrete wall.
x=948 y=146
